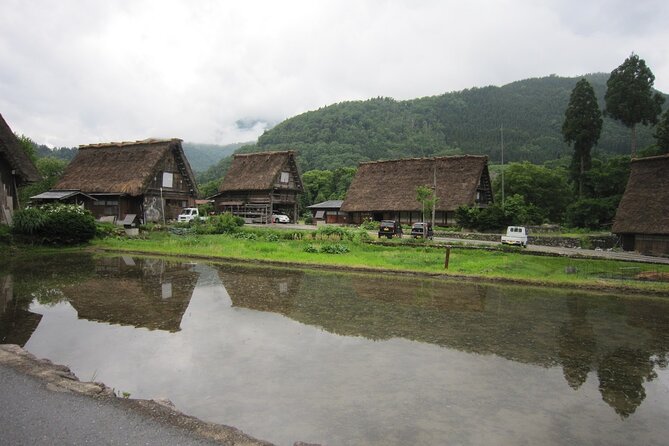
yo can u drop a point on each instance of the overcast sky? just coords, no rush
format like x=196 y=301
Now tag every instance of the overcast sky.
x=79 y=72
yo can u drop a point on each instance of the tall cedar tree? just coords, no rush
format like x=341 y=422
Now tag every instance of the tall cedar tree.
x=662 y=133
x=582 y=127
x=629 y=95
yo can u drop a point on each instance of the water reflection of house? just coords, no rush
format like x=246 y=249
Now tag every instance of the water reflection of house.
x=17 y=324
x=432 y=294
x=262 y=289
x=150 y=293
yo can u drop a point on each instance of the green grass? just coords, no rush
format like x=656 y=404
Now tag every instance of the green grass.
x=418 y=258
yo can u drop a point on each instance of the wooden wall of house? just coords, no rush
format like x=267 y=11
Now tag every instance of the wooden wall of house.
x=7 y=193
x=180 y=185
x=289 y=183
x=656 y=245
x=442 y=218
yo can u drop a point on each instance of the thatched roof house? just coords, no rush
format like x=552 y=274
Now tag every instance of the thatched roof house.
x=386 y=190
x=16 y=169
x=150 y=178
x=642 y=219
x=259 y=184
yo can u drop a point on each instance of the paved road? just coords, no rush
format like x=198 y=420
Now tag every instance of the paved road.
x=30 y=414
x=42 y=403
x=570 y=252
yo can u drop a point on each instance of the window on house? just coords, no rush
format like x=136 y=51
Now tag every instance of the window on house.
x=285 y=177
x=168 y=179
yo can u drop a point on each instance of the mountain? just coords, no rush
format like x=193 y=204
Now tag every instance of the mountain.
x=203 y=156
x=530 y=112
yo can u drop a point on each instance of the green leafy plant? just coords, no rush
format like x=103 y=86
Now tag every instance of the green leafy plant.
x=55 y=224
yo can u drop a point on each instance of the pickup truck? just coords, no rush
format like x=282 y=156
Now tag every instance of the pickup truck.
x=515 y=235
x=189 y=214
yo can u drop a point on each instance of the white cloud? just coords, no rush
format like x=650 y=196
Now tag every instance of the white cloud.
x=76 y=72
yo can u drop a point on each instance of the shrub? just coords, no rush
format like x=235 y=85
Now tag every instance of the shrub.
x=104 y=230
x=308 y=218
x=5 y=235
x=334 y=249
x=310 y=248
x=329 y=232
x=220 y=224
x=370 y=225
x=55 y=224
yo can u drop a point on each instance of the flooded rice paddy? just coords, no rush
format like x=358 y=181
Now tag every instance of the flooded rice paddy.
x=343 y=359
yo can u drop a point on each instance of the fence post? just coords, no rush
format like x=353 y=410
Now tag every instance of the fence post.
x=448 y=255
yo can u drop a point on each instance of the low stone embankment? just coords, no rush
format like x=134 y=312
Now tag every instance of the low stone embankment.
x=586 y=241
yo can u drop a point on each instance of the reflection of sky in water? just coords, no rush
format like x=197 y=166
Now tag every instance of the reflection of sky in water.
x=282 y=381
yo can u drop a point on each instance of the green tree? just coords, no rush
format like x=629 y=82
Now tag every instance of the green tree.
x=662 y=133
x=543 y=188
x=28 y=146
x=582 y=127
x=629 y=95
x=51 y=170
x=426 y=197
x=208 y=188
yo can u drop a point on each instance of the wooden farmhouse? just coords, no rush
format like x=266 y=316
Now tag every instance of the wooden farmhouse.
x=260 y=184
x=16 y=169
x=642 y=219
x=149 y=179
x=386 y=190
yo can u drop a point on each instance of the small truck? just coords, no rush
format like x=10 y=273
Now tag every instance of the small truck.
x=515 y=235
x=189 y=214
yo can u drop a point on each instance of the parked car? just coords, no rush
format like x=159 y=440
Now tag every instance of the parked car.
x=279 y=217
x=515 y=235
x=421 y=229
x=390 y=229
x=189 y=214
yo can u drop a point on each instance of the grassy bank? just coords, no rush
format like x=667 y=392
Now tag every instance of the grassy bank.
x=312 y=249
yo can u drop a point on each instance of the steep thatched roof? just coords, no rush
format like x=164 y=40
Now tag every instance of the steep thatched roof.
x=391 y=185
x=258 y=171
x=10 y=150
x=644 y=208
x=120 y=167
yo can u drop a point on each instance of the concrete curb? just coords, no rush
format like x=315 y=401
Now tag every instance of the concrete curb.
x=60 y=378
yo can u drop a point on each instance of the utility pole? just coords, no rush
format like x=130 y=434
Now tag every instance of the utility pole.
x=501 y=130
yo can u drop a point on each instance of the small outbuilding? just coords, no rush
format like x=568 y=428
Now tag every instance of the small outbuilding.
x=260 y=184
x=151 y=179
x=386 y=190
x=642 y=218
x=16 y=170
x=62 y=196
x=328 y=212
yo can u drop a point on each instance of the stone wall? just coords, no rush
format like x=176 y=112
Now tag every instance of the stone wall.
x=586 y=241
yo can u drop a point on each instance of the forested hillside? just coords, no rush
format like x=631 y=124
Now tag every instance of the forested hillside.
x=531 y=113
x=203 y=156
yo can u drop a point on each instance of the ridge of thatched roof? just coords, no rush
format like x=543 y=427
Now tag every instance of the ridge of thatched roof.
x=120 y=167
x=644 y=208
x=391 y=185
x=18 y=159
x=258 y=171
